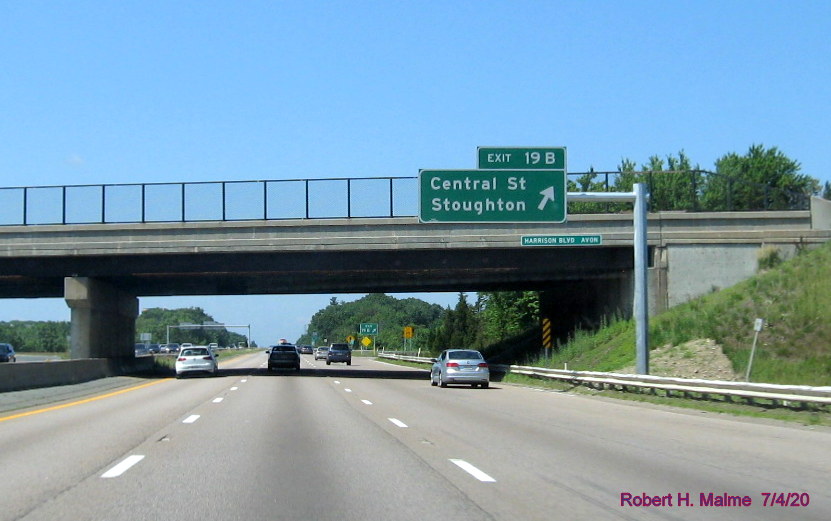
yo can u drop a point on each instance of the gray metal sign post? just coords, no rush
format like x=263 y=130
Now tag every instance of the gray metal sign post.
x=641 y=299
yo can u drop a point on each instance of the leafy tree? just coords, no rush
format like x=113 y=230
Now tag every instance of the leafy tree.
x=36 y=336
x=459 y=328
x=156 y=321
x=340 y=320
x=762 y=179
x=508 y=313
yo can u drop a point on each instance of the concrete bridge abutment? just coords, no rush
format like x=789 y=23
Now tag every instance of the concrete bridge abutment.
x=103 y=319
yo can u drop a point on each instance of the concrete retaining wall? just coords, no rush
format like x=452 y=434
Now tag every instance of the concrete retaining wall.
x=19 y=376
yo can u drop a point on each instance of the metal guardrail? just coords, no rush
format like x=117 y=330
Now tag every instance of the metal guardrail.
x=783 y=395
x=335 y=198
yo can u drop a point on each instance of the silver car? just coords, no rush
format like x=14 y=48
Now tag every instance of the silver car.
x=196 y=360
x=460 y=366
x=320 y=353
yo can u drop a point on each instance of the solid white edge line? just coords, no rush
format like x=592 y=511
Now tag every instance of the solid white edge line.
x=473 y=471
x=191 y=419
x=397 y=422
x=122 y=467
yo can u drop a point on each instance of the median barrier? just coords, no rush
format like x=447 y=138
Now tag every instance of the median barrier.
x=33 y=375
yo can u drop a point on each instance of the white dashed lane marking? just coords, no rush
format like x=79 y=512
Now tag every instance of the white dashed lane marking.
x=122 y=467
x=473 y=471
x=398 y=423
x=191 y=419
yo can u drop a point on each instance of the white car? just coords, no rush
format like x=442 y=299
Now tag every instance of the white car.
x=197 y=359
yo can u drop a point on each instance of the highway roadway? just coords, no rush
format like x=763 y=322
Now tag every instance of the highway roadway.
x=374 y=441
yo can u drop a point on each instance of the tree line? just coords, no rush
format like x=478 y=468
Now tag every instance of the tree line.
x=155 y=321
x=41 y=337
x=53 y=337
x=493 y=317
x=761 y=179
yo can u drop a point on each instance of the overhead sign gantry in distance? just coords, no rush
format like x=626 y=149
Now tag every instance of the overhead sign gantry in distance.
x=511 y=185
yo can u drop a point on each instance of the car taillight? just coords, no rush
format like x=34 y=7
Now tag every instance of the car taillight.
x=206 y=358
x=182 y=359
x=452 y=364
x=483 y=364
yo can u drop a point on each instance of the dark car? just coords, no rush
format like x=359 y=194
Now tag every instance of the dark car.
x=7 y=353
x=306 y=350
x=283 y=355
x=339 y=353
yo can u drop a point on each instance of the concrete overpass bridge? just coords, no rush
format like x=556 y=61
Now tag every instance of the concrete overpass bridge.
x=101 y=269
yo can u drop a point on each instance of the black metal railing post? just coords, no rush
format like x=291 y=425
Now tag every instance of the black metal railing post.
x=265 y=200
x=392 y=210
x=307 y=199
x=223 y=201
x=349 y=198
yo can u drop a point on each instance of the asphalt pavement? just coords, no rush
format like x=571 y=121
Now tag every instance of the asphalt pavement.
x=376 y=441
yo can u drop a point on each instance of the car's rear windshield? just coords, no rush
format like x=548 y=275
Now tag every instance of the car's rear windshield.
x=339 y=347
x=464 y=355
x=195 y=352
x=284 y=348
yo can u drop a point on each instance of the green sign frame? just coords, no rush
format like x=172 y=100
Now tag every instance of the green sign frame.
x=521 y=158
x=480 y=196
x=368 y=328
x=562 y=240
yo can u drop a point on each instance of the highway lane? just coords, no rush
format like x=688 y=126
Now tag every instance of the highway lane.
x=334 y=444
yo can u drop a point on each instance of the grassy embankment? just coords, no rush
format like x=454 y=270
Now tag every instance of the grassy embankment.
x=793 y=297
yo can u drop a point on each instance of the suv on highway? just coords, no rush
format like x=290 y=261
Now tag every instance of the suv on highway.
x=339 y=353
x=283 y=355
x=7 y=353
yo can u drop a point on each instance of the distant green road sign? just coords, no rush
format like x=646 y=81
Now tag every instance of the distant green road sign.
x=492 y=196
x=369 y=329
x=562 y=240
x=522 y=158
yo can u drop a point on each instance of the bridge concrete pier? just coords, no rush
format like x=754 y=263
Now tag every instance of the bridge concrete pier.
x=103 y=319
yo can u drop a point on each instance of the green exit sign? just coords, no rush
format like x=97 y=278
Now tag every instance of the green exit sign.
x=476 y=196
x=562 y=240
x=368 y=329
x=516 y=158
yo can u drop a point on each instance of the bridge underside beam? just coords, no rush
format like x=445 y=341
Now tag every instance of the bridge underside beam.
x=297 y=272
x=103 y=323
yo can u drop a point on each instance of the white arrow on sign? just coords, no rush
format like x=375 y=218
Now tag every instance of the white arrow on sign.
x=547 y=195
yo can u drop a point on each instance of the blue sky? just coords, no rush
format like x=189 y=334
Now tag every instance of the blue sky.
x=151 y=91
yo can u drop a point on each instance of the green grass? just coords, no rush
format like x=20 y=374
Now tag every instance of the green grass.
x=794 y=348
x=819 y=416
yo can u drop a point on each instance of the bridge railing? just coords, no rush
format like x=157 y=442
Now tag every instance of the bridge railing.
x=367 y=197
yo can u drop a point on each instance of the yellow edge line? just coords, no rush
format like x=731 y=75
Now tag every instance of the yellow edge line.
x=80 y=402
